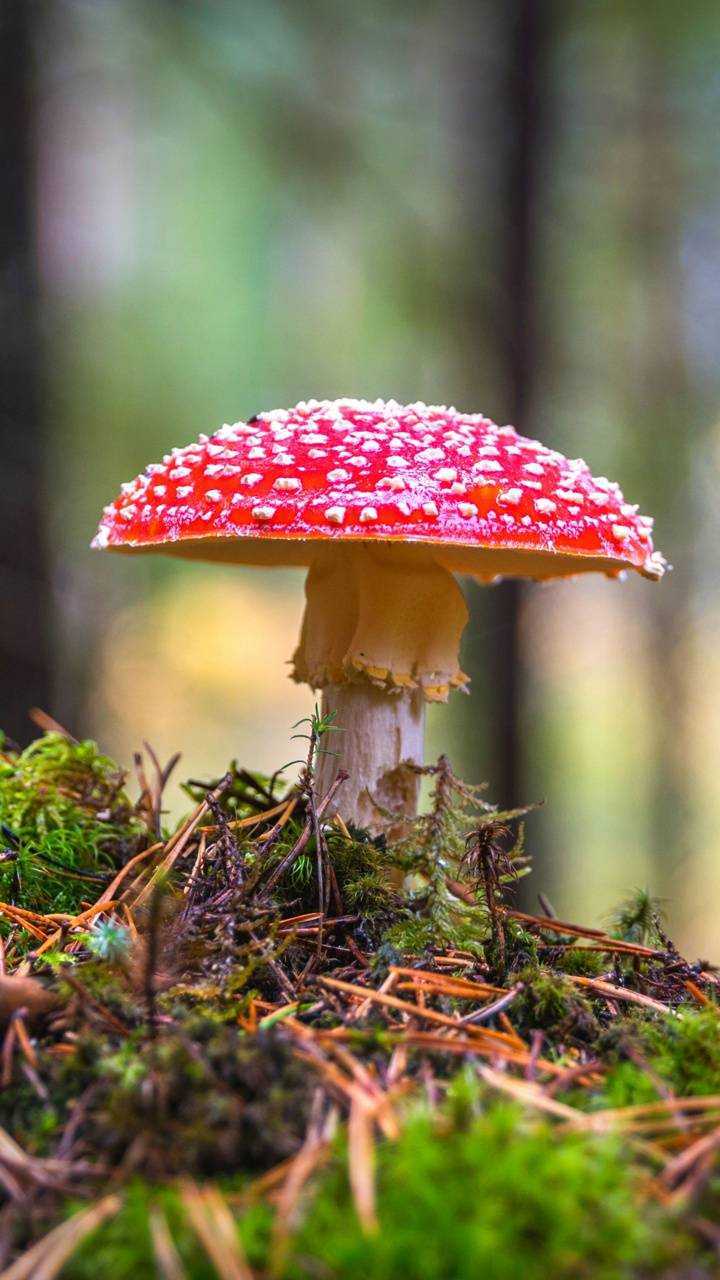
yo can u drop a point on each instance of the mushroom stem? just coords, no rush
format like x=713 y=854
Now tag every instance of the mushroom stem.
x=389 y=616
x=380 y=637
x=381 y=733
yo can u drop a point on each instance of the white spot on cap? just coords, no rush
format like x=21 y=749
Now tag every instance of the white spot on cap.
x=177 y=473
x=396 y=461
x=290 y=483
x=183 y=490
x=467 y=510
x=102 y=537
x=263 y=513
x=429 y=455
x=510 y=498
x=367 y=515
x=545 y=506
x=430 y=509
x=446 y=475
x=214 y=495
x=159 y=490
x=391 y=482
x=621 y=532
x=534 y=468
x=338 y=474
x=251 y=479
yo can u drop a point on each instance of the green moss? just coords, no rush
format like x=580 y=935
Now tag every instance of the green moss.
x=498 y=1198
x=67 y=820
x=550 y=1002
x=682 y=1051
x=469 y=1193
x=581 y=960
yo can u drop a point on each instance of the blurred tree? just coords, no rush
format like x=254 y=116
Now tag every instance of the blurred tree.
x=24 y=588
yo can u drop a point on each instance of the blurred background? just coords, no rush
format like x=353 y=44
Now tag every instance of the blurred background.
x=217 y=206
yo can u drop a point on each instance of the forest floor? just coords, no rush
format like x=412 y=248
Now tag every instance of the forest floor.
x=264 y=1045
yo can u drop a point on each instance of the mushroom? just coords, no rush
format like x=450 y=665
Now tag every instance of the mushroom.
x=385 y=504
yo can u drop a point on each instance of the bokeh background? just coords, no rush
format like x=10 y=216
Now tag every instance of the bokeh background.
x=216 y=206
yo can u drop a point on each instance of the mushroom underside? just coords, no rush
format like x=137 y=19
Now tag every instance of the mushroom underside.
x=380 y=637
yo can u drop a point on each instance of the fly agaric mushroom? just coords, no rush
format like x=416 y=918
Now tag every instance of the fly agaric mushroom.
x=384 y=504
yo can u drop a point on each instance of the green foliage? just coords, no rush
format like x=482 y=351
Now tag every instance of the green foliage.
x=581 y=960
x=471 y=1192
x=682 y=1051
x=549 y=1002
x=636 y=919
x=498 y=1198
x=66 y=819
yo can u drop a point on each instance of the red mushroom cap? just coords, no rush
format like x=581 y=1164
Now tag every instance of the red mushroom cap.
x=490 y=502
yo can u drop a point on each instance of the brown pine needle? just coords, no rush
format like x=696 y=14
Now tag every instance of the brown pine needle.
x=46 y=1259
x=216 y=1228
x=167 y=1259
x=361 y=1166
x=618 y=993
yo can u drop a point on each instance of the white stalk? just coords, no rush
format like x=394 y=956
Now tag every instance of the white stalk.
x=379 y=734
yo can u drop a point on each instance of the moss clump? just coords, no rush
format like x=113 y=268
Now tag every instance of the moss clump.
x=211 y=1100
x=462 y=1194
x=682 y=1053
x=550 y=1002
x=498 y=1198
x=580 y=960
x=66 y=820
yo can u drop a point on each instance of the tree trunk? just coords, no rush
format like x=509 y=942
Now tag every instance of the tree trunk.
x=24 y=587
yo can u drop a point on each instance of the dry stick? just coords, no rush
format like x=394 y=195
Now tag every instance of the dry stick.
x=618 y=993
x=598 y=936
x=406 y=1006
x=498 y=1006
x=447 y=985
x=363 y=1009
x=255 y=819
x=177 y=844
x=98 y=1008
x=302 y=840
x=151 y=960
x=532 y=1095
x=139 y=857
x=683 y=1164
